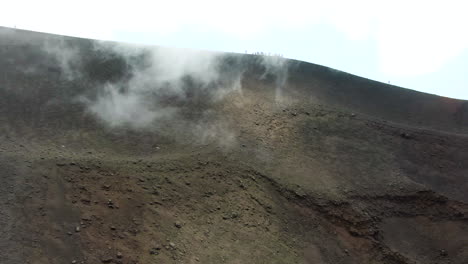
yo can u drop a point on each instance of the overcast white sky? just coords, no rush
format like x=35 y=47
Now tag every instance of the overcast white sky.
x=421 y=45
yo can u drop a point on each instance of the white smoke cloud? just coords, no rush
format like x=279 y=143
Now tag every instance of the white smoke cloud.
x=156 y=86
x=277 y=67
x=67 y=58
x=139 y=101
x=130 y=109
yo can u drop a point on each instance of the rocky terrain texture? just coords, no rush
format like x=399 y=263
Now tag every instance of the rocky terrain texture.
x=298 y=163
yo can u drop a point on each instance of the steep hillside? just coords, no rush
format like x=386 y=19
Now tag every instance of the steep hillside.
x=116 y=153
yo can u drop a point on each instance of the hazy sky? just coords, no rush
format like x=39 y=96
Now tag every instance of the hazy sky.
x=421 y=45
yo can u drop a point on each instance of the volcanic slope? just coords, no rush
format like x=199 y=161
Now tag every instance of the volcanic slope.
x=117 y=153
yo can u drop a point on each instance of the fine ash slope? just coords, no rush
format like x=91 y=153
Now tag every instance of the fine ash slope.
x=108 y=157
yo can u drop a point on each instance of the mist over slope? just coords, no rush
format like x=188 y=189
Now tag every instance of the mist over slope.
x=120 y=153
x=136 y=71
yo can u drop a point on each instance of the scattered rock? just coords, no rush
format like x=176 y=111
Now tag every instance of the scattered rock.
x=77 y=229
x=106 y=259
x=443 y=253
x=354 y=231
x=119 y=255
x=406 y=136
x=154 y=251
x=178 y=224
